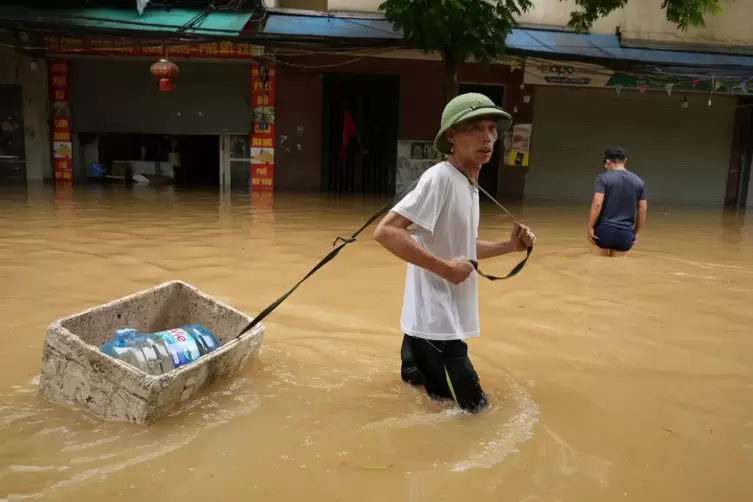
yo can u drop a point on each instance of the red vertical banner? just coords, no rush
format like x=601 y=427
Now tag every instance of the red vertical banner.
x=62 y=146
x=263 y=130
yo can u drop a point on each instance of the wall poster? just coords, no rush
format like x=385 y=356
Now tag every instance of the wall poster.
x=413 y=158
x=520 y=146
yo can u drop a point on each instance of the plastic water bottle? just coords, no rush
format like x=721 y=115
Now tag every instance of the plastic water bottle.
x=122 y=347
x=158 y=353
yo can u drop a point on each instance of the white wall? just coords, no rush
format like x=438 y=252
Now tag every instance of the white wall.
x=556 y=14
x=354 y=5
x=16 y=69
x=641 y=20
x=645 y=20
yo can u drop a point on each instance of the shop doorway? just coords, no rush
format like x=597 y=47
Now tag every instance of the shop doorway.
x=235 y=162
x=489 y=176
x=367 y=165
x=183 y=160
x=199 y=161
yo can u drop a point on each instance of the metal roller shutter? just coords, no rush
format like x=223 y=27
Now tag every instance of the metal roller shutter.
x=682 y=154
x=122 y=96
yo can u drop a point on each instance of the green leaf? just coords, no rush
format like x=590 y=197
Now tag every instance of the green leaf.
x=683 y=13
x=459 y=29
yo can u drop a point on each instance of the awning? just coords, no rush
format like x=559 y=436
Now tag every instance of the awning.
x=294 y=25
x=524 y=41
x=608 y=47
x=172 y=21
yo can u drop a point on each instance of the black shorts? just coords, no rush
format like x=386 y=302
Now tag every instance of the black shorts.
x=610 y=237
x=445 y=371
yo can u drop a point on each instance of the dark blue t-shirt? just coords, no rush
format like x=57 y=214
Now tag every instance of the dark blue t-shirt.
x=622 y=190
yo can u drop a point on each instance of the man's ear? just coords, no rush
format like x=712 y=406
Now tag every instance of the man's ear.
x=450 y=135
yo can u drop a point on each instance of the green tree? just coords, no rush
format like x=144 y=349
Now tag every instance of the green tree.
x=457 y=29
x=460 y=29
x=684 y=13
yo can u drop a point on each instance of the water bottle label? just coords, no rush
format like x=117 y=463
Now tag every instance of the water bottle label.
x=181 y=345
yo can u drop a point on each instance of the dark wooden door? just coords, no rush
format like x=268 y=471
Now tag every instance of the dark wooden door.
x=370 y=159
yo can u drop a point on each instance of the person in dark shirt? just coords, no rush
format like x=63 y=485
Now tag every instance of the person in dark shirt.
x=618 y=195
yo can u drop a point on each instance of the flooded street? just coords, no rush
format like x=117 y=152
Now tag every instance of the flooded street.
x=609 y=379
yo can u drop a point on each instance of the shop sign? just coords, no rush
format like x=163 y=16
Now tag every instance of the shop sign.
x=576 y=74
x=546 y=72
x=263 y=80
x=150 y=48
x=62 y=146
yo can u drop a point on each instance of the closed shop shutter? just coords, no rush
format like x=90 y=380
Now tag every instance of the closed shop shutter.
x=681 y=153
x=122 y=96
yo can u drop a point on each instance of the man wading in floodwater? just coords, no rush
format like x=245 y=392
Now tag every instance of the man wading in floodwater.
x=435 y=229
x=618 y=193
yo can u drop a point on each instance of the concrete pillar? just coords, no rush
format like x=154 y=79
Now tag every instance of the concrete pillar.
x=33 y=78
x=31 y=75
x=519 y=102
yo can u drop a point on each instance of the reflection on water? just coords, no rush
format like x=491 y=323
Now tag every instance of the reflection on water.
x=610 y=379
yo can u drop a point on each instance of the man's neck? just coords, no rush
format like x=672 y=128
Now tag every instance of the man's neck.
x=469 y=169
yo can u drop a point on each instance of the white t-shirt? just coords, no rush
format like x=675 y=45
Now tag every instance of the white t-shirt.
x=444 y=210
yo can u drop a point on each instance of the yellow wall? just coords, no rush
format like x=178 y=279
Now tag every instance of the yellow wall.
x=641 y=20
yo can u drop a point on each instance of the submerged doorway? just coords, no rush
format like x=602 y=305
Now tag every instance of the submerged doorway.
x=489 y=176
x=368 y=163
x=199 y=161
x=194 y=159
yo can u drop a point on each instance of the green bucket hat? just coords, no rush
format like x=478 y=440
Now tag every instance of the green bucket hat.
x=465 y=107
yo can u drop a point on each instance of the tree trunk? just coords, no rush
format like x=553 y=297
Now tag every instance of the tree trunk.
x=451 y=78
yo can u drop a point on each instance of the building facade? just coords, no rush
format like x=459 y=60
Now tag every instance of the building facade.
x=354 y=111
x=395 y=104
x=675 y=100
x=198 y=133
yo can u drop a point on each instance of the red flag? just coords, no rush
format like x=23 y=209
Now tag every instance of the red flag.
x=349 y=132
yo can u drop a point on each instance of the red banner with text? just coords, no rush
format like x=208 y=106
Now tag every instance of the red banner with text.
x=263 y=129
x=150 y=47
x=62 y=146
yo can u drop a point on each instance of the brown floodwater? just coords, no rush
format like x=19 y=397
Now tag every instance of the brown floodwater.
x=622 y=379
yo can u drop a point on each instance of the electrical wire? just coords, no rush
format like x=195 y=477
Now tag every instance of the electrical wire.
x=689 y=73
x=361 y=54
x=196 y=22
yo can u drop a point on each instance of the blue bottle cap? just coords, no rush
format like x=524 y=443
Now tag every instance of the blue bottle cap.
x=122 y=335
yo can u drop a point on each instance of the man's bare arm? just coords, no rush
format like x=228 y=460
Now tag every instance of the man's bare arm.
x=487 y=249
x=596 y=203
x=520 y=239
x=392 y=234
x=642 y=213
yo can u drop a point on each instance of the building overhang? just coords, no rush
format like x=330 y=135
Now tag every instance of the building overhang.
x=153 y=22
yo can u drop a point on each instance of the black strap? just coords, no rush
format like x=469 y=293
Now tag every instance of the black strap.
x=512 y=273
x=345 y=241
x=330 y=256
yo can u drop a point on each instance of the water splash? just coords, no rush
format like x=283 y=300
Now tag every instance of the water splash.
x=517 y=430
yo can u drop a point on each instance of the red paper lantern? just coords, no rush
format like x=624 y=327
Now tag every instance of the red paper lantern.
x=165 y=70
